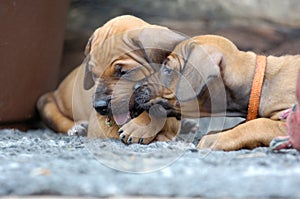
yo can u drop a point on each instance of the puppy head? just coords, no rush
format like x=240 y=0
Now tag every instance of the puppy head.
x=113 y=27
x=120 y=61
x=183 y=80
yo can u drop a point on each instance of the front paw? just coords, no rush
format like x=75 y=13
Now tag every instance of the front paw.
x=207 y=141
x=212 y=141
x=219 y=142
x=132 y=133
x=79 y=129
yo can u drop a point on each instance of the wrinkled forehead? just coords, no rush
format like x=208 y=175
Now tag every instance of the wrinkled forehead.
x=181 y=55
x=109 y=58
x=183 y=48
x=152 y=37
x=135 y=45
x=177 y=58
x=115 y=26
x=173 y=62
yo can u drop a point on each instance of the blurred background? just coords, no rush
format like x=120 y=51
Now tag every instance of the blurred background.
x=268 y=26
x=42 y=41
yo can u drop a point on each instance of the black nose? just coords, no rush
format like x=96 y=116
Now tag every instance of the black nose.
x=142 y=95
x=102 y=106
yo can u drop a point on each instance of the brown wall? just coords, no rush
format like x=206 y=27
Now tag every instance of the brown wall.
x=31 y=41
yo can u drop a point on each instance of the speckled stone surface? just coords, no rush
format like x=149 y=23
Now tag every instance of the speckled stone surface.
x=42 y=162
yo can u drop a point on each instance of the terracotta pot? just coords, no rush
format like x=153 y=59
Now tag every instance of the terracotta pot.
x=31 y=41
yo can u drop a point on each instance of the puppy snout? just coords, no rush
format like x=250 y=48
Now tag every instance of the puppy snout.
x=142 y=94
x=102 y=105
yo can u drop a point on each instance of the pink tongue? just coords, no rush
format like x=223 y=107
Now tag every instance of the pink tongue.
x=122 y=119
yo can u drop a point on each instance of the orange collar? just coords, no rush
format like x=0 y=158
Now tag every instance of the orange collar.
x=261 y=63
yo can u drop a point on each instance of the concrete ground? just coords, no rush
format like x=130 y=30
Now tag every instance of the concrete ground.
x=43 y=163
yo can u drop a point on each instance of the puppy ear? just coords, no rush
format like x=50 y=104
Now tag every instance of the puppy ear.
x=158 y=42
x=88 y=46
x=201 y=65
x=88 y=81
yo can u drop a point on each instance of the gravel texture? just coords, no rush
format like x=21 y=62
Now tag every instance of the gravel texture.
x=41 y=162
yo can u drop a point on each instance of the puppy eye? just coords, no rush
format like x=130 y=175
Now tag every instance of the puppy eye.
x=166 y=70
x=166 y=75
x=119 y=70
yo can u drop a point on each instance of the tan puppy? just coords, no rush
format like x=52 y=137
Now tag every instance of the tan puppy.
x=208 y=76
x=122 y=45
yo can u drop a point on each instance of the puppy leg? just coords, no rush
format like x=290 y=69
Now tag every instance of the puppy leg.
x=169 y=131
x=139 y=130
x=165 y=136
x=143 y=129
x=52 y=116
x=255 y=133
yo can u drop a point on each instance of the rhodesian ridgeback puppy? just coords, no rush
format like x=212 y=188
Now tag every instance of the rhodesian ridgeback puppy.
x=208 y=76
x=96 y=96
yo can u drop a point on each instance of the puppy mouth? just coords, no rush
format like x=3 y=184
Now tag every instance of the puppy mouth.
x=161 y=107
x=121 y=115
x=119 y=118
x=122 y=119
x=146 y=101
x=122 y=108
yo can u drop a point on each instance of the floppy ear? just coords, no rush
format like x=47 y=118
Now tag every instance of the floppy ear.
x=88 y=46
x=157 y=42
x=201 y=66
x=95 y=41
x=88 y=81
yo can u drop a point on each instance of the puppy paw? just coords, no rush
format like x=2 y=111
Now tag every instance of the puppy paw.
x=212 y=141
x=165 y=136
x=219 y=142
x=142 y=129
x=132 y=133
x=79 y=129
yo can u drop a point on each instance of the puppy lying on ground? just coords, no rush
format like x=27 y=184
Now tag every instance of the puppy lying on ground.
x=121 y=52
x=208 y=76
